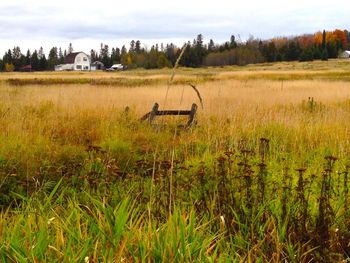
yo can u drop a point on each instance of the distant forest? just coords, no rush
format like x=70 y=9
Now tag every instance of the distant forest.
x=321 y=45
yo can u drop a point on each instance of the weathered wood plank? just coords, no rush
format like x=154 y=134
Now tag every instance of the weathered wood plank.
x=192 y=114
x=150 y=116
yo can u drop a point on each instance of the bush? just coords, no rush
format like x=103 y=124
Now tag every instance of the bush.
x=9 y=67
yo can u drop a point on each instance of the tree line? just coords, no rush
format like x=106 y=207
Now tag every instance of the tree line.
x=321 y=45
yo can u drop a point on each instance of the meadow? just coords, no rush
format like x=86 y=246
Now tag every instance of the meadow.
x=262 y=177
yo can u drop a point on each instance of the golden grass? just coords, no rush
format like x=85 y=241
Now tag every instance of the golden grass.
x=222 y=98
x=234 y=105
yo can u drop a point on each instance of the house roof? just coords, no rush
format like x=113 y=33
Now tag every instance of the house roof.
x=70 y=58
x=97 y=63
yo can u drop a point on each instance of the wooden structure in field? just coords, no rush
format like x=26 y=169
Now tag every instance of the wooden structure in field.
x=150 y=116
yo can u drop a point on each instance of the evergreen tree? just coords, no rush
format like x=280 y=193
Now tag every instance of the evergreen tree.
x=105 y=56
x=324 y=39
x=7 y=58
x=40 y=53
x=170 y=52
x=268 y=50
x=347 y=34
x=123 y=51
x=43 y=63
x=132 y=46
x=233 y=43
x=332 y=49
x=162 y=61
x=211 y=46
x=324 y=55
x=316 y=52
x=16 y=57
x=28 y=57
x=34 y=61
x=60 y=56
x=152 y=58
x=93 y=55
x=190 y=58
x=199 y=51
x=138 y=46
x=115 y=56
x=52 y=59
x=306 y=55
x=293 y=51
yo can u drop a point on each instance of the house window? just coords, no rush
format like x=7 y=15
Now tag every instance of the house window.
x=85 y=58
x=86 y=68
x=79 y=67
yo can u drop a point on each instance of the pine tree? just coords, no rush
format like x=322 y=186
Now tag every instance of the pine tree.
x=43 y=63
x=233 y=43
x=16 y=57
x=306 y=55
x=28 y=57
x=138 y=46
x=132 y=46
x=324 y=39
x=324 y=55
x=105 y=56
x=211 y=46
x=8 y=57
x=93 y=55
x=53 y=58
x=60 y=56
x=34 y=61
x=40 y=53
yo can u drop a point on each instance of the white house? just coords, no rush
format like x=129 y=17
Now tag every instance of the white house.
x=75 y=61
x=345 y=54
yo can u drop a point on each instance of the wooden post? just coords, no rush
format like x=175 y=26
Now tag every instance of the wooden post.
x=192 y=114
x=126 y=110
x=153 y=112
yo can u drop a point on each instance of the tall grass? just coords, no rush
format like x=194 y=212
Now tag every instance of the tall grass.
x=255 y=180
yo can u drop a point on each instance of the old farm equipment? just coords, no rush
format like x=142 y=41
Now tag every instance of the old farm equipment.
x=150 y=116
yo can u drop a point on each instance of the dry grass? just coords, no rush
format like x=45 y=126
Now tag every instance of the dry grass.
x=245 y=108
x=222 y=98
x=48 y=128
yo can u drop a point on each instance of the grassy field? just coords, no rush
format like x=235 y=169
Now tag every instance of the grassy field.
x=262 y=177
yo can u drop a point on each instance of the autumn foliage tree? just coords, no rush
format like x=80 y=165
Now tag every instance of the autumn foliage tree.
x=306 y=47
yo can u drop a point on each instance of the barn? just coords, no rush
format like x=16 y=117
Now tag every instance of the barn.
x=345 y=54
x=75 y=61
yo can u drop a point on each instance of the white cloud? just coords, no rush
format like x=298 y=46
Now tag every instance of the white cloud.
x=31 y=24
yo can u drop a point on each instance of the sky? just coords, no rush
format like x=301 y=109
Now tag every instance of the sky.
x=47 y=23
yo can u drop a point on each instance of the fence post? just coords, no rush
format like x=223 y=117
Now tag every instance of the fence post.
x=153 y=112
x=192 y=114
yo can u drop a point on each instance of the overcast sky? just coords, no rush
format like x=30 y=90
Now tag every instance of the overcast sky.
x=47 y=23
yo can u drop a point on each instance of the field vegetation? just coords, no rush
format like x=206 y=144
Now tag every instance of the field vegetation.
x=262 y=177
